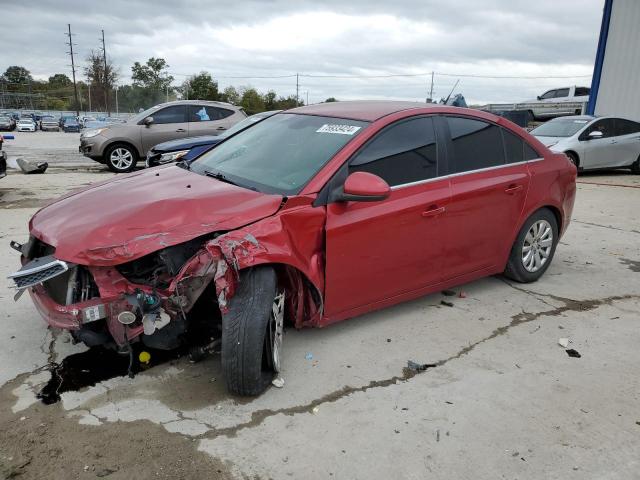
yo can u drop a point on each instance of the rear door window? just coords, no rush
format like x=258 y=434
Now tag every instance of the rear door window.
x=475 y=145
x=207 y=113
x=562 y=93
x=173 y=114
x=405 y=152
x=626 y=127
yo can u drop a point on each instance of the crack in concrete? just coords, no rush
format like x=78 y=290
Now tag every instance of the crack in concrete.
x=610 y=227
x=570 y=305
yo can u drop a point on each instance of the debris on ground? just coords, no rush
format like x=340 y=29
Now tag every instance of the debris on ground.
x=309 y=356
x=563 y=342
x=462 y=294
x=446 y=304
x=573 y=353
x=278 y=382
x=315 y=410
x=419 y=367
x=30 y=167
x=448 y=293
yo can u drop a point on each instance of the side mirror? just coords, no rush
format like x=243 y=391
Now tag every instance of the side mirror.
x=539 y=97
x=364 y=187
x=595 y=134
x=148 y=121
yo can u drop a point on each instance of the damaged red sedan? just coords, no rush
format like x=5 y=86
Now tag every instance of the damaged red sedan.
x=315 y=215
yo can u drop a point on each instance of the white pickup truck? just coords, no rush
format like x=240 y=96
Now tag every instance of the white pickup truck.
x=558 y=102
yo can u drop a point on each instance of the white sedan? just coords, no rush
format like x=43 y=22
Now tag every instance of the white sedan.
x=26 y=125
x=594 y=142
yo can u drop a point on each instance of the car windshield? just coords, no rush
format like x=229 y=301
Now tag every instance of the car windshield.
x=249 y=121
x=280 y=154
x=560 y=127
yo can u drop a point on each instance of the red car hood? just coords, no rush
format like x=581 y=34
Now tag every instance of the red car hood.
x=130 y=216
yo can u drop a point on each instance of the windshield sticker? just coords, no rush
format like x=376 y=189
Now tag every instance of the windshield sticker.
x=340 y=129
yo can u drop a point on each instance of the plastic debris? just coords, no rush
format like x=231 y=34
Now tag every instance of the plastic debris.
x=315 y=410
x=278 y=382
x=446 y=304
x=309 y=356
x=419 y=367
x=144 y=357
x=573 y=353
x=563 y=342
x=30 y=167
x=462 y=294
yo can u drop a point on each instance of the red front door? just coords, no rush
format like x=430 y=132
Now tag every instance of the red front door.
x=377 y=250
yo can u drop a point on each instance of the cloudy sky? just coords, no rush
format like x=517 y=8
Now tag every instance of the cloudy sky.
x=333 y=40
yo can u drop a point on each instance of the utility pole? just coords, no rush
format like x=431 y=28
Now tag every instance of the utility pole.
x=430 y=99
x=73 y=70
x=117 y=111
x=106 y=78
x=297 y=90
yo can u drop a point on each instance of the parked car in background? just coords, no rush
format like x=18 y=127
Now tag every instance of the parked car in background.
x=64 y=118
x=281 y=221
x=3 y=159
x=85 y=119
x=49 y=122
x=7 y=123
x=26 y=125
x=189 y=148
x=71 y=125
x=567 y=95
x=594 y=142
x=120 y=146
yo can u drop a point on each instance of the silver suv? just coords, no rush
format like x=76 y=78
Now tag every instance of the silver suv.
x=120 y=146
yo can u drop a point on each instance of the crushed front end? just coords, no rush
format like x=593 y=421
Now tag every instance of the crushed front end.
x=150 y=299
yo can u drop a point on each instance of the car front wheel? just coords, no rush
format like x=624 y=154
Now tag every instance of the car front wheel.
x=252 y=332
x=120 y=158
x=534 y=247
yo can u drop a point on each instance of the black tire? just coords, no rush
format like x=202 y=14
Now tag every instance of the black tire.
x=574 y=159
x=635 y=167
x=244 y=327
x=113 y=165
x=515 y=266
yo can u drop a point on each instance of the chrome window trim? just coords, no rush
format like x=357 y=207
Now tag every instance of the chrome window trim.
x=495 y=167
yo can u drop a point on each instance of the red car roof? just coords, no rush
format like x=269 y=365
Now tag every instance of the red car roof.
x=365 y=110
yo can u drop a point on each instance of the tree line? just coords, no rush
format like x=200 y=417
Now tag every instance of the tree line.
x=151 y=84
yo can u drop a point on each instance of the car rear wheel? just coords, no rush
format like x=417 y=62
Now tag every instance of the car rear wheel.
x=534 y=247
x=120 y=158
x=252 y=332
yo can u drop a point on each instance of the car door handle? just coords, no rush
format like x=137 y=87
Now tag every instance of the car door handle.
x=181 y=130
x=511 y=189
x=221 y=128
x=433 y=211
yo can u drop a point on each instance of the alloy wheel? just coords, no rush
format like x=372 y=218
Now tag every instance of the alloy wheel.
x=537 y=246
x=121 y=158
x=276 y=332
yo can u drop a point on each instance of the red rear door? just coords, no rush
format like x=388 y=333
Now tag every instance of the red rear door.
x=487 y=194
x=377 y=250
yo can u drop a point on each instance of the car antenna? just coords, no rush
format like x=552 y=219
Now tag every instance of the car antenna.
x=451 y=92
